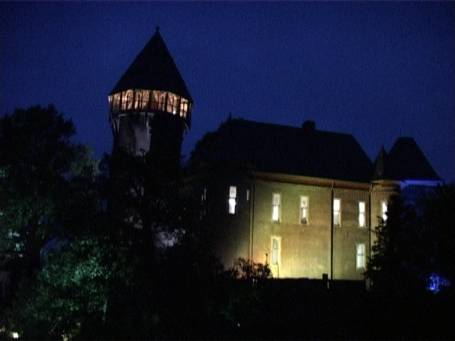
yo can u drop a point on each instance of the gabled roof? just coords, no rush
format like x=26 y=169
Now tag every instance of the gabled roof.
x=153 y=69
x=405 y=161
x=284 y=149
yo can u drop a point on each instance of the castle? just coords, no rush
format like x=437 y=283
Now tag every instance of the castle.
x=303 y=200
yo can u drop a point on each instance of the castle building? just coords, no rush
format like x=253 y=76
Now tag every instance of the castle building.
x=303 y=200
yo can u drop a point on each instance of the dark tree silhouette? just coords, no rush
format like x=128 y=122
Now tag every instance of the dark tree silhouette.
x=438 y=216
x=398 y=262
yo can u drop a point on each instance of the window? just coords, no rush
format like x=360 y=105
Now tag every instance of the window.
x=247 y=195
x=137 y=99
x=232 y=202
x=304 y=210
x=362 y=215
x=129 y=99
x=183 y=107
x=145 y=99
x=203 y=210
x=155 y=100
x=116 y=103
x=172 y=101
x=360 y=261
x=123 y=100
x=204 y=195
x=384 y=210
x=336 y=212
x=276 y=202
x=276 y=250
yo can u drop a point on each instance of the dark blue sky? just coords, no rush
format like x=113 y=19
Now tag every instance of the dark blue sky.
x=375 y=70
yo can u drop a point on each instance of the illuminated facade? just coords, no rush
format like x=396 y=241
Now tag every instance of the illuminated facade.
x=302 y=200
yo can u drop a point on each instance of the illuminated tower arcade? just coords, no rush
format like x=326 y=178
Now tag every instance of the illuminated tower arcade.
x=150 y=106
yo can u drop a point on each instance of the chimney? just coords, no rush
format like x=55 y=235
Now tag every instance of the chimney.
x=309 y=126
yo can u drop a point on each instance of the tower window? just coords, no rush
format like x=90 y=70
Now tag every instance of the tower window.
x=384 y=210
x=362 y=214
x=276 y=205
x=129 y=99
x=232 y=201
x=137 y=99
x=116 y=104
x=123 y=100
x=337 y=212
x=171 y=103
x=304 y=204
x=145 y=98
x=360 y=261
x=183 y=107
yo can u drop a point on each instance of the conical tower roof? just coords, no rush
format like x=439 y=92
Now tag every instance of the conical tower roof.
x=405 y=161
x=153 y=69
x=409 y=162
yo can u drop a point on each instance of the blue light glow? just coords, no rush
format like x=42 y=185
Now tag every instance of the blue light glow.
x=436 y=283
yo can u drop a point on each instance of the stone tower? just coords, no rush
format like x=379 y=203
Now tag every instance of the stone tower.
x=150 y=106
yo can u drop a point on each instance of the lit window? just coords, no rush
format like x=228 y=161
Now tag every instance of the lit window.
x=145 y=99
x=337 y=212
x=360 y=261
x=304 y=210
x=155 y=100
x=123 y=100
x=362 y=215
x=137 y=99
x=129 y=99
x=116 y=104
x=276 y=250
x=276 y=202
x=384 y=210
x=162 y=101
x=183 y=107
x=232 y=202
x=247 y=195
x=171 y=103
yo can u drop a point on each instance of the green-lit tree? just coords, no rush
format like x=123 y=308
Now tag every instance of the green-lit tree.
x=37 y=157
x=49 y=200
x=69 y=295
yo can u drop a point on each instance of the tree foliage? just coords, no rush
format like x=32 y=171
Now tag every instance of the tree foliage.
x=69 y=294
x=36 y=160
x=251 y=271
x=416 y=241
x=48 y=197
x=120 y=250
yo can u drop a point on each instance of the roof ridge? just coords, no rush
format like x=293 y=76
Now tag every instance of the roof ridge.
x=279 y=125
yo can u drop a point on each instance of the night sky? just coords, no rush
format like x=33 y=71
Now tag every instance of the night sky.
x=375 y=70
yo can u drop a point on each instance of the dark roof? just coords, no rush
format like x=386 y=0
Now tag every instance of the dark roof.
x=380 y=169
x=284 y=149
x=153 y=69
x=405 y=161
